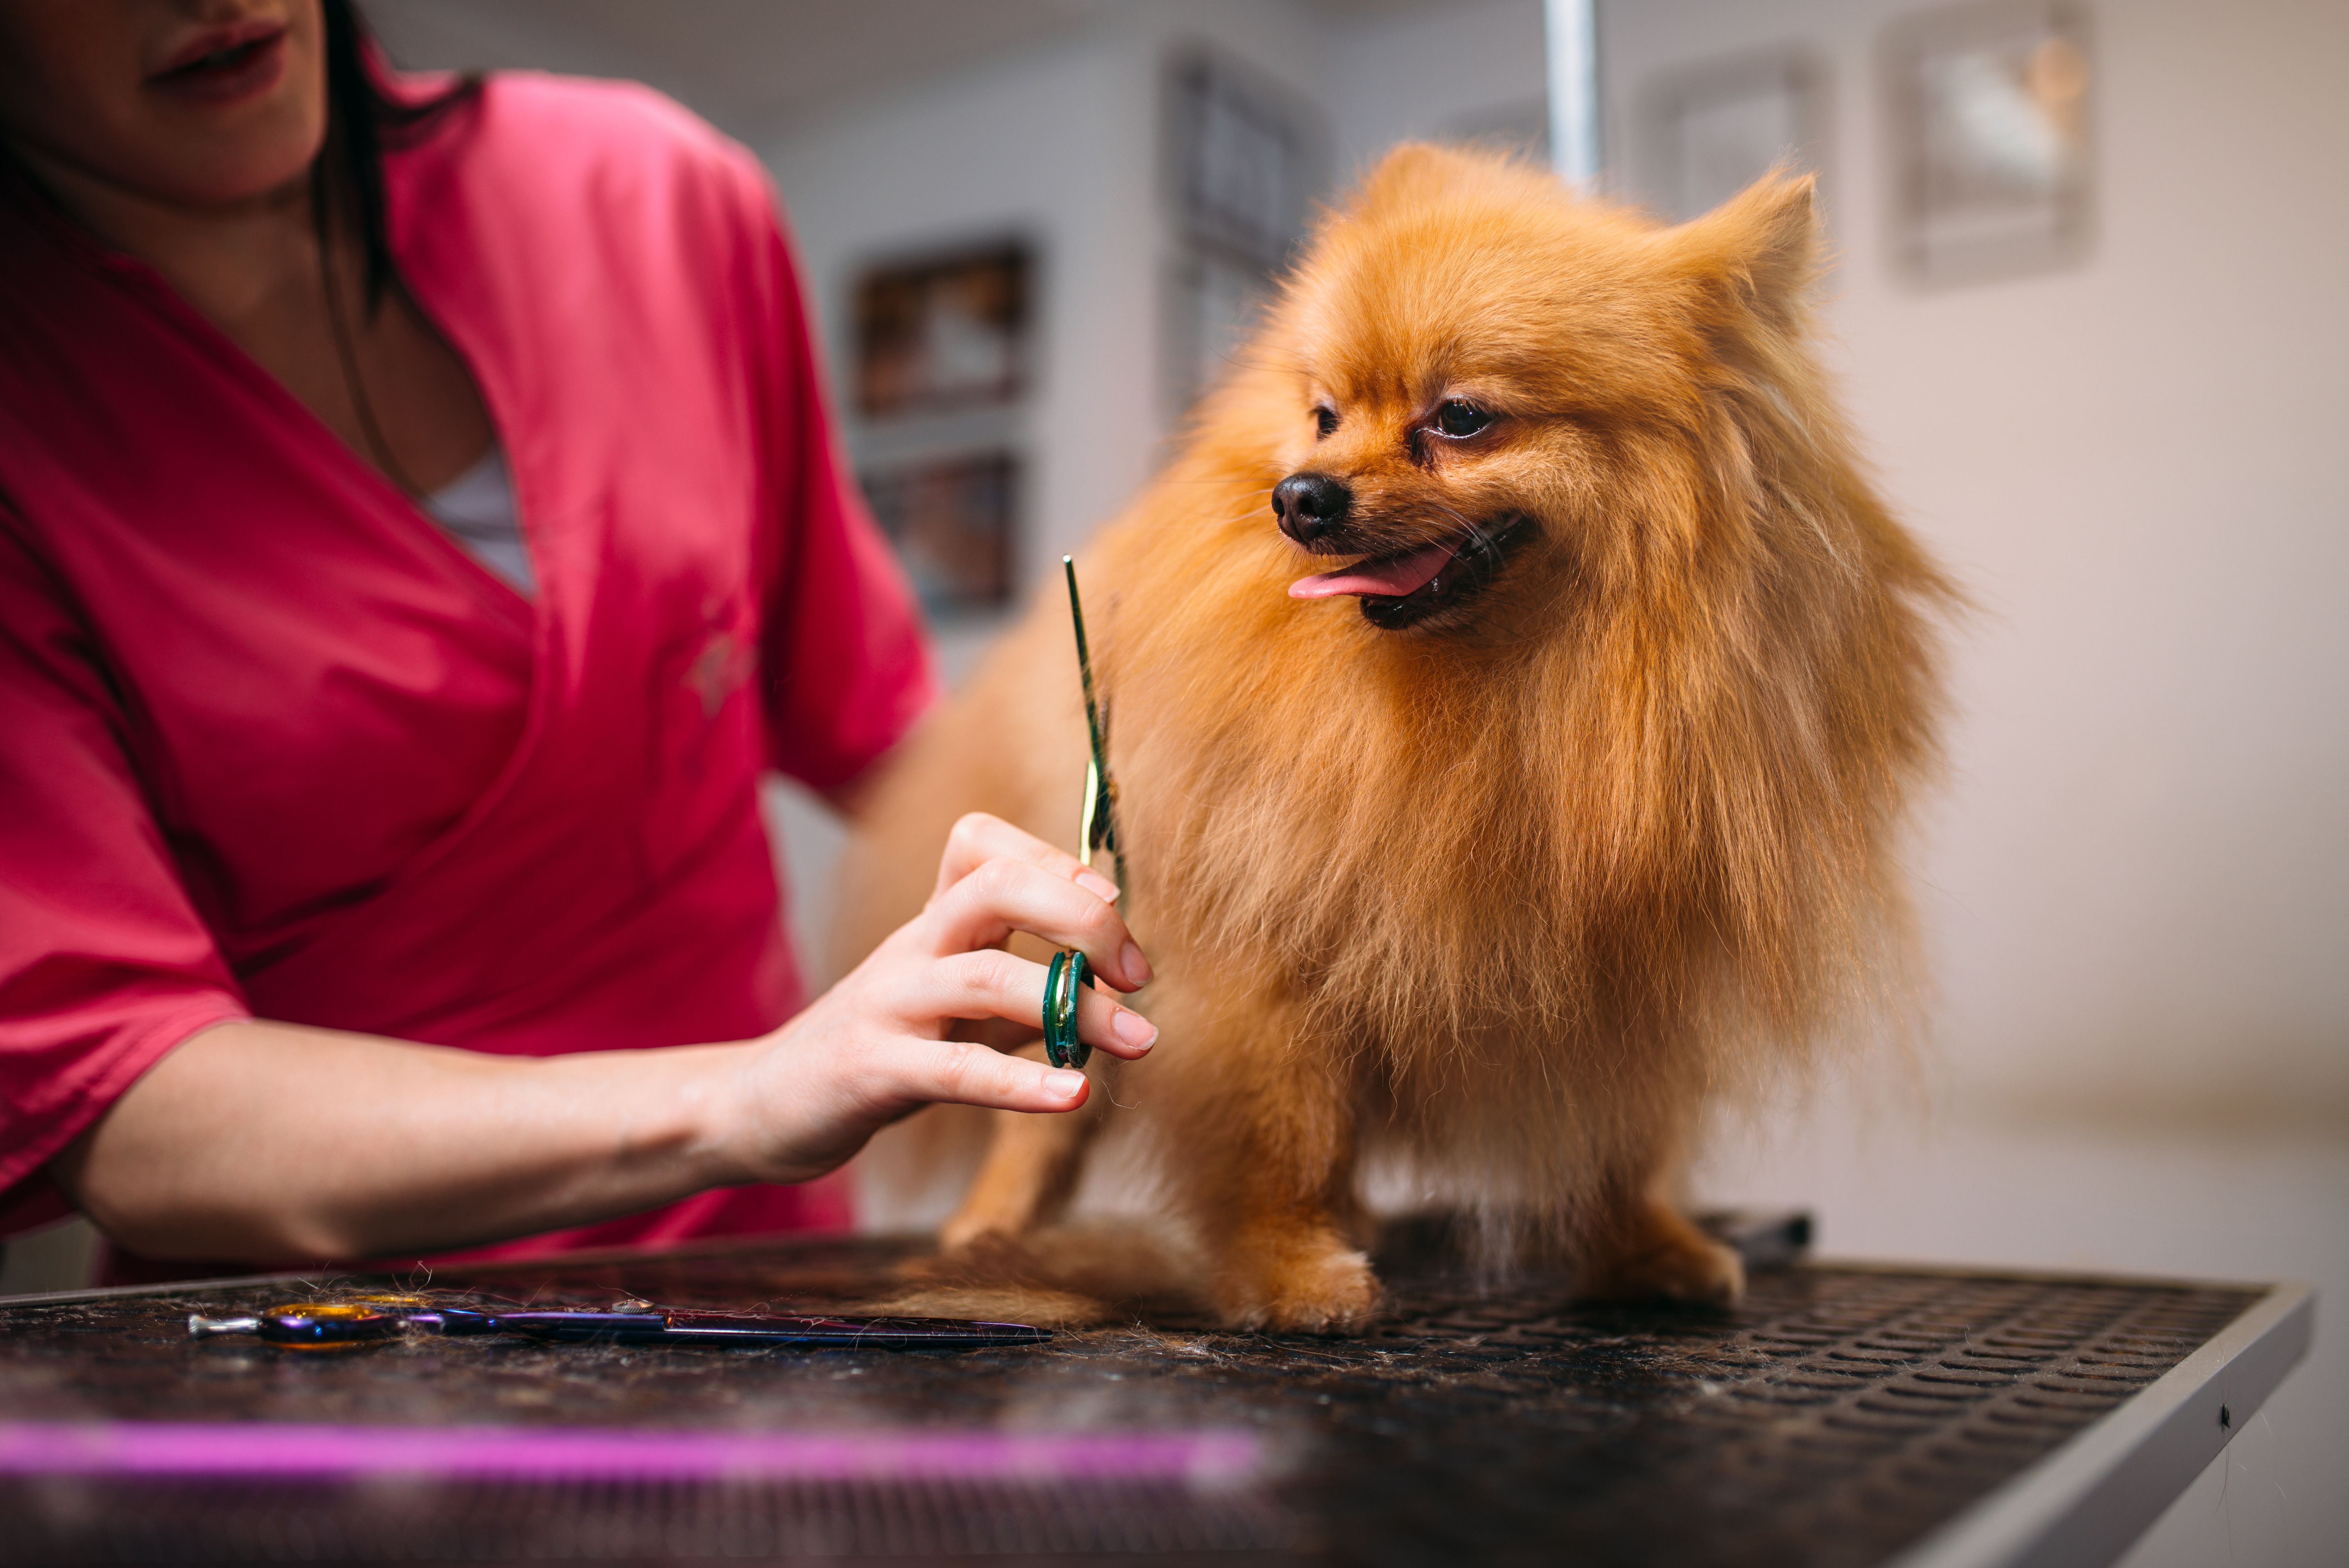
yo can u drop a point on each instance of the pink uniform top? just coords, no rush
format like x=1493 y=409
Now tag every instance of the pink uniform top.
x=272 y=745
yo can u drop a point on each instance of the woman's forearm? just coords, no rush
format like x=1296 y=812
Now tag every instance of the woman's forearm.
x=275 y=1142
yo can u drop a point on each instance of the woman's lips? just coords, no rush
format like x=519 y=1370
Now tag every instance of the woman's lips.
x=225 y=65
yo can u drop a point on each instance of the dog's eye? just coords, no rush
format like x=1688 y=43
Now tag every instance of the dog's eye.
x=1457 y=416
x=1325 y=420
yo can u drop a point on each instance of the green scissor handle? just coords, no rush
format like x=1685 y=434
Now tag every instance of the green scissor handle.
x=1068 y=972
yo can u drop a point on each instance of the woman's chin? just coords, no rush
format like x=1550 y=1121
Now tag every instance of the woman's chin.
x=216 y=167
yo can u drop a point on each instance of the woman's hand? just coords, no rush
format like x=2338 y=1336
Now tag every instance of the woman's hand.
x=875 y=1046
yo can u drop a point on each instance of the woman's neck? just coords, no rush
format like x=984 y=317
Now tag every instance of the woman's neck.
x=235 y=263
x=400 y=397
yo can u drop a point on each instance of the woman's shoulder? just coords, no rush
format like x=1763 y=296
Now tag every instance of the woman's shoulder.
x=593 y=140
x=585 y=116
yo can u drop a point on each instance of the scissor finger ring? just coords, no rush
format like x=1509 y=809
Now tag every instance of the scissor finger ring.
x=1061 y=981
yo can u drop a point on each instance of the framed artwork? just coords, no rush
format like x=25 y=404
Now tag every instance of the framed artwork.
x=1241 y=163
x=1992 y=163
x=943 y=332
x=951 y=519
x=1706 y=132
x=1238 y=159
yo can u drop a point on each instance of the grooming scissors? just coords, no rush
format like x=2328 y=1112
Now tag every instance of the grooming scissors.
x=375 y=1320
x=1096 y=830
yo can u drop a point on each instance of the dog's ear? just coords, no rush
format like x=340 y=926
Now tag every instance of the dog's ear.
x=1761 y=246
x=1414 y=172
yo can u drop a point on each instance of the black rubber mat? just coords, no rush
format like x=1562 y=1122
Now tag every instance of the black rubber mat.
x=1834 y=1417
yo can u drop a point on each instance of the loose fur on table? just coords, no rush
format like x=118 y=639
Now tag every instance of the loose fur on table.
x=1514 y=892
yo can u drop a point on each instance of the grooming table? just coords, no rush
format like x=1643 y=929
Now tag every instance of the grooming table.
x=1844 y=1415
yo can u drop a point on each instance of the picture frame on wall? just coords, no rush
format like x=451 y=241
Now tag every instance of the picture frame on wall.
x=1705 y=133
x=1989 y=107
x=942 y=332
x=1242 y=159
x=1238 y=156
x=953 y=521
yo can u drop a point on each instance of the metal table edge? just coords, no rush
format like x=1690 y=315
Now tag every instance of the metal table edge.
x=319 y=1279
x=2086 y=1503
x=2028 y=1272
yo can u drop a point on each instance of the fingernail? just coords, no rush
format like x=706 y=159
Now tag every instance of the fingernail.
x=1064 y=1084
x=1136 y=967
x=1133 y=1028
x=1100 y=886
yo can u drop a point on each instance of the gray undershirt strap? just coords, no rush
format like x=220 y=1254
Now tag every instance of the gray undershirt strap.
x=477 y=509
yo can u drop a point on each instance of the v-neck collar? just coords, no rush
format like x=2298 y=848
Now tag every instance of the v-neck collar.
x=393 y=507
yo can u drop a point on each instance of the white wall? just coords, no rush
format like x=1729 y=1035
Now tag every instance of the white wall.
x=1041 y=145
x=2139 y=884
x=1428 y=73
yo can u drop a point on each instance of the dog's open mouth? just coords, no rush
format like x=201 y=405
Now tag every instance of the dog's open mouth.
x=1405 y=589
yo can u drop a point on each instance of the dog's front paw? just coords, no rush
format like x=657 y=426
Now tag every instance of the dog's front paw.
x=1660 y=1256
x=965 y=1232
x=1312 y=1284
x=1704 y=1275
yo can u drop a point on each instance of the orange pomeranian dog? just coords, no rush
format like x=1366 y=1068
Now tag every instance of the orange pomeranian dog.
x=1516 y=689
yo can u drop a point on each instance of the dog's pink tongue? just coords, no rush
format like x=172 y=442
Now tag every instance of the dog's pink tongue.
x=1392 y=578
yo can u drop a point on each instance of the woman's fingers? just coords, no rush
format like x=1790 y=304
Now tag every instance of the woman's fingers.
x=992 y=984
x=1005 y=895
x=961 y=1073
x=978 y=838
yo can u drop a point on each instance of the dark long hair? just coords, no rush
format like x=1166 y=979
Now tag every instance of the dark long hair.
x=363 y=119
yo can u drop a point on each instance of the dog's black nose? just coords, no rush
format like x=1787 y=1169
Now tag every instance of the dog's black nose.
x=1310 y=506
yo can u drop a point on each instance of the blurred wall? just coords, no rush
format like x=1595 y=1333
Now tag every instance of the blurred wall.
x=1473 y=69
x=2137 y=884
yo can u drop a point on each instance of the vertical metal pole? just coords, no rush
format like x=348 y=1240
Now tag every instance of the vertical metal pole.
x=1571 y=38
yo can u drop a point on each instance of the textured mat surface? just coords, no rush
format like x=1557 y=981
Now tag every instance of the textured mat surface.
x=1836 y=1416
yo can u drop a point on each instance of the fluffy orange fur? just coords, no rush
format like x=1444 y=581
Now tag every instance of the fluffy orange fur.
x=1510 y=895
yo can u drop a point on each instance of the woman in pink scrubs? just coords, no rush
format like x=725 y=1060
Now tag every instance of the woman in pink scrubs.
x=370 y=887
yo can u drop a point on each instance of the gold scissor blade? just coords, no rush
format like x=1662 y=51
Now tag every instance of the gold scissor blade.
x=1090 y=812
x=1097 y=828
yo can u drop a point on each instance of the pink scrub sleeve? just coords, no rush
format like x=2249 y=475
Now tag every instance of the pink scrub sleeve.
x=846 y=670
x=104 y=965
